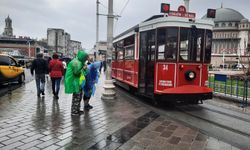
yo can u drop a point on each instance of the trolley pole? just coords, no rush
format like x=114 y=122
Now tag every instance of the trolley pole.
x=109 y=92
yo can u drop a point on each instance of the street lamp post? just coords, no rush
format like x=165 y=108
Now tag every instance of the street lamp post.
x=109 y=92
x=29 y=47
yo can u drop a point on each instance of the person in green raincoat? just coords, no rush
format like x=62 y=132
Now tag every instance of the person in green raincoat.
x=71 y=80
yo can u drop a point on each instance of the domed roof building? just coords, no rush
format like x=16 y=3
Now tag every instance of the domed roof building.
x=231 y=34
x=228 y=15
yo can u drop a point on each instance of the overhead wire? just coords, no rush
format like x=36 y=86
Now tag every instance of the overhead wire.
x=121 y=13
x=122 y=10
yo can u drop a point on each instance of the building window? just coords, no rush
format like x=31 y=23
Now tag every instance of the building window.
x=223 y=25
x=230 y=24
x=236 y=24
x=216 y=25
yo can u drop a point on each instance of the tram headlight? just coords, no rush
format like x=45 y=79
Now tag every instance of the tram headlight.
x=190 y=75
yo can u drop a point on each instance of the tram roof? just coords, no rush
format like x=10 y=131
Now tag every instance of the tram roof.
x=162 y=21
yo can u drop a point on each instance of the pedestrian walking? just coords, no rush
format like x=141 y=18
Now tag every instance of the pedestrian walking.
x=72 y=78
x=56 y=72
x=100 y=69
x=104 y=66
x=47 y=74
x=92 y=76
x=40 y=66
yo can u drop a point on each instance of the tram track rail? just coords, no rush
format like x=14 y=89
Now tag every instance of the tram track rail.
x=236 y=130
x=245 y=133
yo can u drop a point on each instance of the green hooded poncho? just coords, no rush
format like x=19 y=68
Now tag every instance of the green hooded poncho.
x=73 y=72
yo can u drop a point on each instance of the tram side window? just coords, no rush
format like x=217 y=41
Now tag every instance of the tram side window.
x=129 y=47
x=129 y=52
x=120 y=53
x=114 y=52
x=167 y=43
x=120 y=50
x=208 y=46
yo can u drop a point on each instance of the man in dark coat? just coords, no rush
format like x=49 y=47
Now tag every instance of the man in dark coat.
x=40 y=66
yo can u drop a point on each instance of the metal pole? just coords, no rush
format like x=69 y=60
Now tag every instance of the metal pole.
x=109 y=39
x=223 y=58
x=97 y=21
x=29 y=48
x=109 y=92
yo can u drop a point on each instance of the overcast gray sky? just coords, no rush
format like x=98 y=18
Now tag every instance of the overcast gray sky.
x=78 y=17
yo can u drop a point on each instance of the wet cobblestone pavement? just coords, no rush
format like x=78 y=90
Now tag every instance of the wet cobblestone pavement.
x=28 y=122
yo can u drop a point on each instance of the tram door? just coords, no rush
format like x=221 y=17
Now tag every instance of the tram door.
x=146 y=62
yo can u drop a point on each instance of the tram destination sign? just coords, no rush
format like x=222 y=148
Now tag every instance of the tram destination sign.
x=181 y=13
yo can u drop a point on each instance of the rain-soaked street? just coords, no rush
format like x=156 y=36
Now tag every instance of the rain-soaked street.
x=28 y=122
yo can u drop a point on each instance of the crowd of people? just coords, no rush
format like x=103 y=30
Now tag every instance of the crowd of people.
x=80 y=77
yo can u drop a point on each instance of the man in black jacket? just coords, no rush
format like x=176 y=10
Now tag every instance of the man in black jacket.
x=40 y=66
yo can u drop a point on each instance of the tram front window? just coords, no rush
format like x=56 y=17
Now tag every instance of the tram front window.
x=191 y=44
x=167 y=43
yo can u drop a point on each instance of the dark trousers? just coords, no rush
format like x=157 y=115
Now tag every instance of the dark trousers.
x=40 y=83
x=56 y=85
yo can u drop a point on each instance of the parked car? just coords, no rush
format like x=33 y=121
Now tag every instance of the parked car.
x=10 y=70
x=238 y=66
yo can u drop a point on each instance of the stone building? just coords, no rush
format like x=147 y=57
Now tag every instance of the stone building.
x=8 y=31
x=74 y=46
x=230 y=37
x=60 y=42
x=57 y=39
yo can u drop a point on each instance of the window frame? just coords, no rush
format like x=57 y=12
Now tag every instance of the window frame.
x=165 y=42
x=193 y=55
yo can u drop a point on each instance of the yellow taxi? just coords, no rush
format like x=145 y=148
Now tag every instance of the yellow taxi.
x=10 y=70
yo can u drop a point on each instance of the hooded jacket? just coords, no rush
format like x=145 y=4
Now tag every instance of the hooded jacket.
x=39 y=65
x=73 y=72
x=92 y=76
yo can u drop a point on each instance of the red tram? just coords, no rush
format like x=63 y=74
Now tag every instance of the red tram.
x=165 y=57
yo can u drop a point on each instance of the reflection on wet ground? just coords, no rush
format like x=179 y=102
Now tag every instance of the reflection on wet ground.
x=121 y=136
x=28 y=122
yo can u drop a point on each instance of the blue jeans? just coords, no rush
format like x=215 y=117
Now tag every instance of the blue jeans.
x=56 y=85
x=40 y=83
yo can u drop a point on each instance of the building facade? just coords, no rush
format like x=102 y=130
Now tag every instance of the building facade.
x=230 y=38
x=74 y=46
x=60 y=42
x=57 y=40
x=101 y=48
